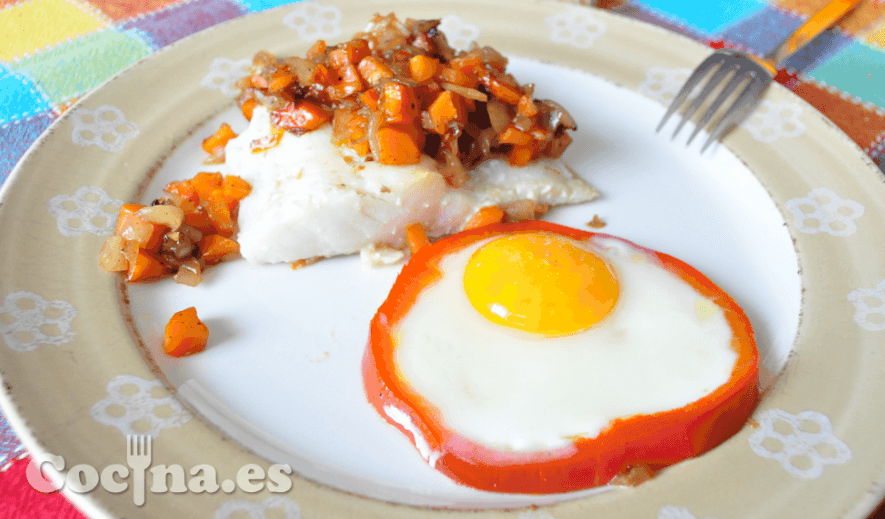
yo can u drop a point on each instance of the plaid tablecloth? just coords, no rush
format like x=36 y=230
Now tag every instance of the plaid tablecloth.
x=52 y=52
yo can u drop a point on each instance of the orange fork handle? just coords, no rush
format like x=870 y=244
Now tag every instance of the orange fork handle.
x=821 y=21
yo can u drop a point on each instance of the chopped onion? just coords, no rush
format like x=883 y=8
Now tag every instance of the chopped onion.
x=523 y=123
x=137 y=233
x=111 y=257
x=478 y=75
x=633 y=475
x=215 y=158
x=303 y=68
x=130 y=250
x=374 y=143
x=263 y=59
x=191 y=232
x=559 y=116
x=189 y=273
x=493 y=58
x=498 y=115
x=168 y=215
x=469 y=93
x=485 y=138
x=520 y=210
x=180 y=247
x=558 y=145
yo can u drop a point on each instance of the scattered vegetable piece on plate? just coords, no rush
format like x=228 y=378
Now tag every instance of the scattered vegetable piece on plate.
x=185 y=334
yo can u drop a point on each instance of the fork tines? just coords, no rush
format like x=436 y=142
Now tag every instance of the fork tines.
x=138 y=445
x=719 y=66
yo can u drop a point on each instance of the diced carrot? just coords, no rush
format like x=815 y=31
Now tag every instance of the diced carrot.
x=300 y=117
x=204 y=183
x=497 y=87
x=219 y=138
x=349 y=126
x=521 y=154
x=526 y=107
x=427 y=93
x=486 y=216
x=349 y=53
x=360 y=148
x=214 y=247
x=458 y=77
x=185 y=334
x=348 y=82
x=398 y=145
x=465 y=63
x=370 y=98
x=268 y=141
x=248 y=107
x=513 y=135
x=182 y=189
x=446 y=108
x=148 y=236
x=218 y=196
x=416 y=237
x=357 y=50
x=422 y=67
x=297 y=264
x=338 y=58
x=279 y=81
x=235 y=187
x=317 y=52
x=184 y=193
x=219 y=213
x=321 y=75
x=373 y=70
x=505 y=92
x=398 y=103
x=199 y=219
x=145 y=267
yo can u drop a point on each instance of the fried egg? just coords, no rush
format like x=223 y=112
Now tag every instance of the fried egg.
x=309 y=200
x=530 y=340
x=527 y=348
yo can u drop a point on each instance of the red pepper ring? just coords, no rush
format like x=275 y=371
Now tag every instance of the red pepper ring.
x=657 y=440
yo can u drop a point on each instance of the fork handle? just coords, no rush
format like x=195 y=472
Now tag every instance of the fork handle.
x=821 y=21
x=138 y=486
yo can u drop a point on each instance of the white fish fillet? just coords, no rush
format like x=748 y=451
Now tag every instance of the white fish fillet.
x=307 y=201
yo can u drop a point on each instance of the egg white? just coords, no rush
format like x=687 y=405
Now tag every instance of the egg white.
x=308 y=201
x=662 y=347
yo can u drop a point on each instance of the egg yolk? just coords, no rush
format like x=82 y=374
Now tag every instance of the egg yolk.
x=540 y=284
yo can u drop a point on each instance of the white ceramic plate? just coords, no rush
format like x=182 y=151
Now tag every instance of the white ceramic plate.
x=282 y=375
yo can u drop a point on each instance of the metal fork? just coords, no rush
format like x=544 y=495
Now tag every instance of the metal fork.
x=138 y=457
x=756 y=72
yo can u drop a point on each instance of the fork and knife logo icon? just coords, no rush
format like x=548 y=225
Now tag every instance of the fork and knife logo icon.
x=138 y=457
